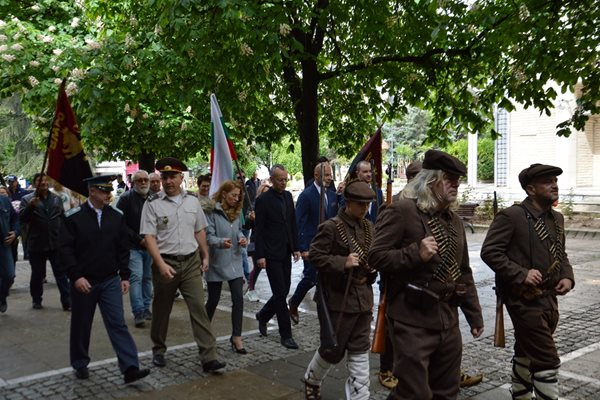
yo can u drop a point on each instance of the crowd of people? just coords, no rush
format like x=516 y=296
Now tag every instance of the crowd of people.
x=158 y=241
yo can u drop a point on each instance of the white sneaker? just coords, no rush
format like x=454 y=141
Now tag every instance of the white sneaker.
x=251 y=295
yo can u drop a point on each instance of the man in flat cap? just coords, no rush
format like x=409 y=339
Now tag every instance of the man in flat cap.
x=525 y=246
x=174 y=228
x=96 y=256
x=420 y=245
x=339 y=253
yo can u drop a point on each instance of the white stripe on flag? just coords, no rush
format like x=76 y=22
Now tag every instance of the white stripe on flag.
x=222 y=167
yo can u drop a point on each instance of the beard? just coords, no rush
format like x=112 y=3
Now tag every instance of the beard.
x=141 y=191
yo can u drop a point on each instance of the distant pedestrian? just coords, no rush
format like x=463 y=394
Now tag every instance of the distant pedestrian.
x=252 y=186
x=140 y=262
x=95 y=252
x=155 y=185
x=42 y=212
x=525 y=246
x=174 y=227
x=9 y=230
x=121 y=184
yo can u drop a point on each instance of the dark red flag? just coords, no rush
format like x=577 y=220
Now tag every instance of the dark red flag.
x=67 y=162
x=370 y=151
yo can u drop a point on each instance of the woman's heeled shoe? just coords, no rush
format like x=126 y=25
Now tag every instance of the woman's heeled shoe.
x=235 y=349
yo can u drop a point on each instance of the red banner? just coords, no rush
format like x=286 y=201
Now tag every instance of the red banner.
x=67 y=162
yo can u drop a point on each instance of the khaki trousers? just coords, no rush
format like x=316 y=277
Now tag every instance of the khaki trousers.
x=188 y=279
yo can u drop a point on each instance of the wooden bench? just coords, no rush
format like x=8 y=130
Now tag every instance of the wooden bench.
x=466 y=212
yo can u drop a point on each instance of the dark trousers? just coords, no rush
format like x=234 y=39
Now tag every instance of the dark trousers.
x=279 y=273
x=38 y=260
x=308 y=281
x=253 y=274
x=386 y=359
x=7 y=272
x=426 y=362
x=108 y=296
x=237 y=300
x=534 y=328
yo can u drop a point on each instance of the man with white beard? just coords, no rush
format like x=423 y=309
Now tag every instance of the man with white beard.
x=140 y=262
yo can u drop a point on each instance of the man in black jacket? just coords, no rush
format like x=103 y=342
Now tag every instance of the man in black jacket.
x=276 y=241
x=140 y=262
x=96 y=256
x=42 y=211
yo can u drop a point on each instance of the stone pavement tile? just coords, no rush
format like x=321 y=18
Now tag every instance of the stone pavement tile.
x=241 y=384
x=499 y=393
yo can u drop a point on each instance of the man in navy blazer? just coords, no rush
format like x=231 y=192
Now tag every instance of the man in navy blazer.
x=308 y=212
x=276 y=239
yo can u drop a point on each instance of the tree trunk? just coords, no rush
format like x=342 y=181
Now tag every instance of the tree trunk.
x=309 y=120
x=146 y=161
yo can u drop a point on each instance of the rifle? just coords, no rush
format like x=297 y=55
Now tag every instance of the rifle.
x=378 y=345
x=329 y=335
x=499 y=335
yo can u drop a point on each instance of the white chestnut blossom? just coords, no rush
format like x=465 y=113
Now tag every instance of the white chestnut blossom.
x=75 y=22
x=78 y=73
x=162 y=123
x=284 y=29
x=2 y=23
x=57 y=52
x=17 y=36
x=3 y=48
x=17 y=47
x=57 y=81
x=55 y=68
x=8 y=57
x=34 y=63
x=92 y=45
x=188 y=109
x=51 y=28
x=46 y=39
x=32 y=81
x=126 y=108
x=71 y=88
x=246 y=50
x=3 y=38
x=35 y=7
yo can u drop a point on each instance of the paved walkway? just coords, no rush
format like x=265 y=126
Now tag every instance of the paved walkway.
x=34 y=352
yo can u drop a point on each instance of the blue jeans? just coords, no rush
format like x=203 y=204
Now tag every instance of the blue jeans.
x=7 y=271
x=140 y=281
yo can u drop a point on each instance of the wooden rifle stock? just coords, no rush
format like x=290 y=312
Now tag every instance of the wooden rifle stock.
x=378 y=345
x=499 y=336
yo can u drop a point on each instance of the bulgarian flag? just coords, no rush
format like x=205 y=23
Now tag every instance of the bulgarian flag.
x=222 y=153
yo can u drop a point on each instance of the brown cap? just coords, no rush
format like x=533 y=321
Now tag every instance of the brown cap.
x=436 y=159
x=170 y=164
x=359 y=191
x=537 y=171
x=414 y=168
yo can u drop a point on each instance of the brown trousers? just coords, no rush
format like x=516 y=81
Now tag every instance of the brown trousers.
x=533 y=335
x=426 y=362
x=353 y=335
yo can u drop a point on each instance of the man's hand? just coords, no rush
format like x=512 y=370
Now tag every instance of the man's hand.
x=533 y=278
x=125 y=287
x=564 y=286
x=167 y=272
x=428 y=248
x=10 y=238
x=476 y=332
x=251 y=216
x=82 y=285
x=261 y=263
x=352 y=260
x=204 y=264
x=296 y=256
x=304 y=255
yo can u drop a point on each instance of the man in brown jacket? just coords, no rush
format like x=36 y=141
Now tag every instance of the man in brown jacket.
x=525 y=246
x=420 y=245
x=339 y=253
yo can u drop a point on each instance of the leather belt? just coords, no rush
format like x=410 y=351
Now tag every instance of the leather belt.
x=178 y=257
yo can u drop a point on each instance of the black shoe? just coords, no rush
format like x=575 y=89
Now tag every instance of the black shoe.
x=66 y=307
x=82 y=373
x=37 y=306
x=139 y=320
x=262 y=326
x=235 y=349
x=159 y=360
x=3 y=307
x=134 y=373
x=289 y=343
x=213 y=366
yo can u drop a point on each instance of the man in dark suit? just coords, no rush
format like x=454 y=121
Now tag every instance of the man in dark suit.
x=276 y=241
x=308 y=218
x=95 y=251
